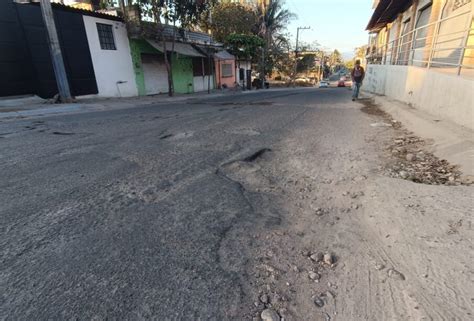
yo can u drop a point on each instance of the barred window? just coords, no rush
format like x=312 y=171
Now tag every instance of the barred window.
x=459 y=3
x=106 y=36
x=227 y=70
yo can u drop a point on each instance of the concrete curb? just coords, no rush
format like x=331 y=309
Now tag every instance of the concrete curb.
x=34 y=106
x=19 y=101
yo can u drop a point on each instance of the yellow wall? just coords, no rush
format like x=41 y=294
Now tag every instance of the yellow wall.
x=469 y=53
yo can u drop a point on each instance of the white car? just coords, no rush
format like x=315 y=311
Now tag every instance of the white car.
x=323 y=84
x=302 y=79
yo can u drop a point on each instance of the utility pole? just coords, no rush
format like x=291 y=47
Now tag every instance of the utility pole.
x=265 y=48
x=56 y=54
x=209 y=62
x=296 y=49
x=209 y=65
x=263 y=68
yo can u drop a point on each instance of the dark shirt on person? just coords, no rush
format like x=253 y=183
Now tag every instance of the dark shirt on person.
x=358 y=74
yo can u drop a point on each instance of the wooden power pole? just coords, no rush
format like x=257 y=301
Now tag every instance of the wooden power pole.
x=296 y=49
x=55 y=50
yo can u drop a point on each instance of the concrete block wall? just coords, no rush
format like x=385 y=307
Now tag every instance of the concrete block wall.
x=445 y=96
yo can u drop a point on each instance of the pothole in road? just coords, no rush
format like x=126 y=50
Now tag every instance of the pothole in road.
x=256 y=155
x=409 y=159
x=166 y=136
x=4 y=135
x=247 y=170
x=177 y=136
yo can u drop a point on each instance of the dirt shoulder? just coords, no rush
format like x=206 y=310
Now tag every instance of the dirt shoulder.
x=356 y=229
x=447 y=140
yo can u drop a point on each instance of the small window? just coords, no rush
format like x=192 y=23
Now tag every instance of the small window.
x=227 y=70
x=106 y=36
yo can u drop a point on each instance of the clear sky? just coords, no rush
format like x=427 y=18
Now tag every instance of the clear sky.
x=335 y=24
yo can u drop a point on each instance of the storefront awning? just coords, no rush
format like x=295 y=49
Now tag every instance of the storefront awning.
x=224 y=55
x=385 y=12
x=179 y=47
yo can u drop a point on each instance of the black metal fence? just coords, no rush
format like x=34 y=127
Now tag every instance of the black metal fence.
x=25 y=62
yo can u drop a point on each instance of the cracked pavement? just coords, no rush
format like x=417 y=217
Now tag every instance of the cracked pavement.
x=194 y=210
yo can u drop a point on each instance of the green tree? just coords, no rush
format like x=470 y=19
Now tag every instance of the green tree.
x=360 y=52
x=306 y=63
x=245 y=47
x=349 y=64
x=306 y=46
x=104 y=4
x=335 y=58
x=273 y=21
x=230 y=18
x=279 y=57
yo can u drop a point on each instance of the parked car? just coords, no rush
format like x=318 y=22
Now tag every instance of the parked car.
x=302 y=79
x=341 y=82
x=323 y=84
x=304 y=82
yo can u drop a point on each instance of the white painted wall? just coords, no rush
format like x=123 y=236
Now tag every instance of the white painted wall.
x=200 y=83
x=111 y=66
x=241 y=64
x=374 y=81
x=440 y=94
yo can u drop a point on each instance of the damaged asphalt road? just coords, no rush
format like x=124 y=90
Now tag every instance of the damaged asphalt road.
x=217 y=209
x=120 y=214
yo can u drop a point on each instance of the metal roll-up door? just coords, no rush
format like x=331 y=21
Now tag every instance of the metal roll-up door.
x=155 y=74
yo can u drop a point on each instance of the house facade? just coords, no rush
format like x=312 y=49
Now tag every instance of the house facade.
x=25 y=61
x=225 y=69
x=103 y=55
x=110 y=51
x=151 y=72
x=191 y=55
x=95 y=49
x=421 y=52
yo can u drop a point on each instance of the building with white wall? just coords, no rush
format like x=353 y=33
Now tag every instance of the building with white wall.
x=421 y=52
x=110 y=52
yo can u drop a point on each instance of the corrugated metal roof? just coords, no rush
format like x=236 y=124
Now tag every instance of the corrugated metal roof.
x=224 y=55
x=153 y=30
x=84 y=12
x=180 y=48
x=386 y=11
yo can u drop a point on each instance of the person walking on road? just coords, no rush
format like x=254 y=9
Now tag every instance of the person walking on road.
x=357 y=75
